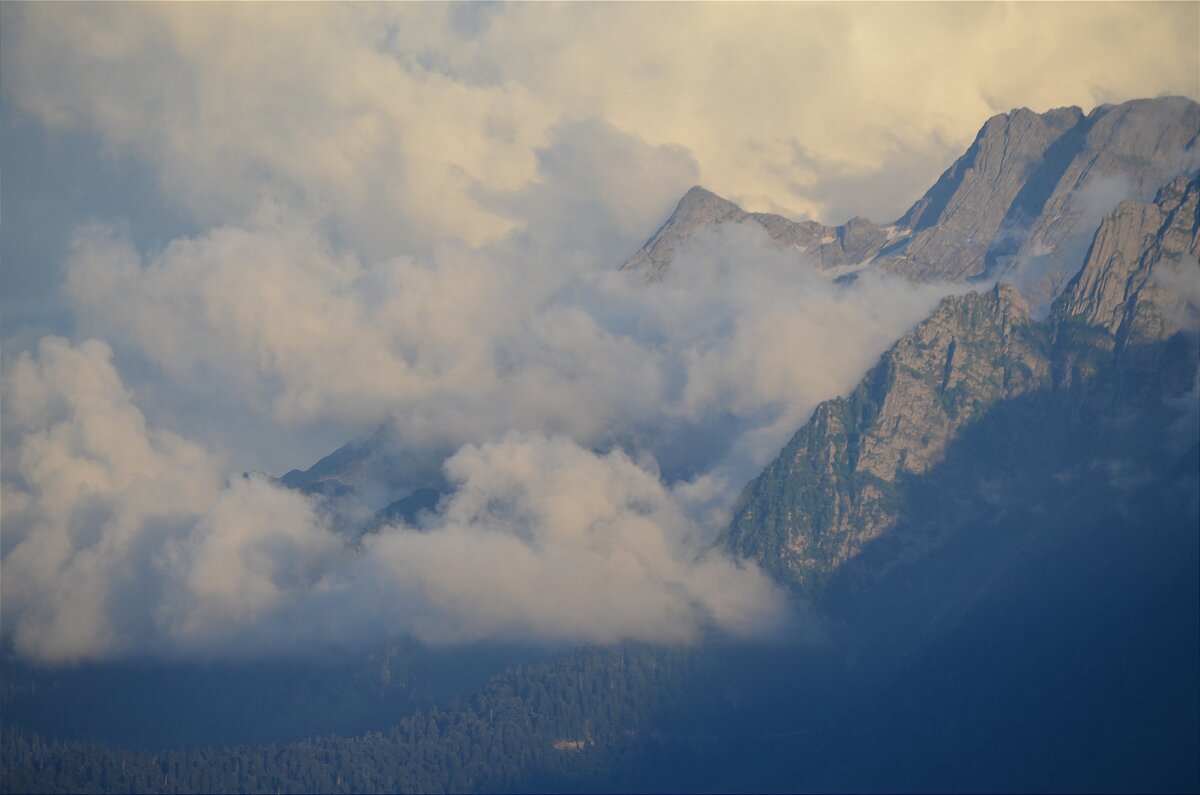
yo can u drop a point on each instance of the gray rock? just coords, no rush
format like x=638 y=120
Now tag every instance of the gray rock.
x=1109 y=352
x=1128 y=152
x=1019 y=206
x=832 y=489
x=851 y=244
x=1144 y=258
x=956 y=222
x=1023 y=202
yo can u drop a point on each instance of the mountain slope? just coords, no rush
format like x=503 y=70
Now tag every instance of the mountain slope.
x=1135 y=282
x=955 y=222
x=1025 y=199
x=833 y=487
x=851 y=474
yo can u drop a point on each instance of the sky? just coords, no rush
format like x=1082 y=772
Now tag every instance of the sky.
x=233 y=237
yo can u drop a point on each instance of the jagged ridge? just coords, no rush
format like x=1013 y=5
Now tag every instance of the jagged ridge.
x=834 y=488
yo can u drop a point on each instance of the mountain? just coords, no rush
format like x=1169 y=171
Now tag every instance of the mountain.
x=834 y=248
x=833 y=488
x=372 y=481
x=1020 y=204
x=1119 y=346
x=997 y=529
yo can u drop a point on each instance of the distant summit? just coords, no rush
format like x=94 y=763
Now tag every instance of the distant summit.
x=836 y=249
x=1021 y=204
x=1024 y=200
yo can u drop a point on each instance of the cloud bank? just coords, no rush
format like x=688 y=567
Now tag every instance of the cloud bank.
x=602 y=427
x=121 y=539
x=391 y=118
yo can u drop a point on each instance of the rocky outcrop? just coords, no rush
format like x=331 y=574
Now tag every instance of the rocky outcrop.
x=833 y=487
x=853 y=243
x=1023 y=202
x=1127 y=152
x=955 y=223
x=1141 y=278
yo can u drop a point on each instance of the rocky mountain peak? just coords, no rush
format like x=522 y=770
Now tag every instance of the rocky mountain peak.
x=700 y=205
x=1022 y=203
x=698 y=208
x=1141 y=278
x=851 y=245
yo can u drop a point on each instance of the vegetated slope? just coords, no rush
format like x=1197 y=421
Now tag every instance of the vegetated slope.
x=548 y=725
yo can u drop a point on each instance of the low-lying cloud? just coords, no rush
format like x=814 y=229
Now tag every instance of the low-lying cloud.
x=121 y=539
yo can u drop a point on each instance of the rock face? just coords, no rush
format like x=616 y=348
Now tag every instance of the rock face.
x=1025 y=199
x=853 y=243
x=956 y=221
x=1020 y=205
x=1136 y=278
x=833 y=487
x=1128 y=151
x=1111 y=351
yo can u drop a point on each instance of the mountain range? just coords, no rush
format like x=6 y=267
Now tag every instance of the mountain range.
x=1020 y=205
x=1035 y=198
x=996 y=529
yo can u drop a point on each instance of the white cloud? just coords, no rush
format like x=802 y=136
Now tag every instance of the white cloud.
x=543 y=538
x=87 y=488
x=124 y=540
x=387 y=120
x=270 y=321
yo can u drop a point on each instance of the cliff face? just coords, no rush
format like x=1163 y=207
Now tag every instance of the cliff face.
x=833 y=487
x=1109 y=357
x=1136 y=278
x=955 y=223
x=1025 y=199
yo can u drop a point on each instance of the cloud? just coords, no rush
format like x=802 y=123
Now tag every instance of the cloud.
x=87 y=490
x=542 y=537
x=123 y=540
x=603 y=429
x=269 y=320
x=387 y=119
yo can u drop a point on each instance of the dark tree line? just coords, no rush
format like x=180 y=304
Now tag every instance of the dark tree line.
x=539 y=726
